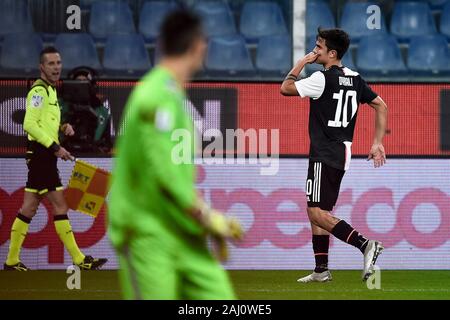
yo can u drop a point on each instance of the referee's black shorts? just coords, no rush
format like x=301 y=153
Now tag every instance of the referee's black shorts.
x=43 y=174
x=322 y=185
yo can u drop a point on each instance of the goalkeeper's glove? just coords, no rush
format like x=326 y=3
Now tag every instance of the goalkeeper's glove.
x=219 y=227
x=217 y=224
x=222 y=228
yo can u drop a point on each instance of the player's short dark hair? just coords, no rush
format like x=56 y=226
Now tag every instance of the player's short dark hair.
x=335 y=39
x=178 y=31
x=46 y=50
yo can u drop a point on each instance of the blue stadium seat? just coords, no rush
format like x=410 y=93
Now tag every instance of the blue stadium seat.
x=20 y=54
x=15 y=17
x=110 y=17
x=445 y=21
x=434 y=4
x=411 y=19
x=355 y=18
x=77 y=49
x=437 y=4
x=86 y=4
x=217 y=18
x=318 y=13
x=348 y=60
x=273 y=55
x=228 y=55
x=125 y=55
x=151 y=17
x=429 y=55
x=260 y=19
x=379 y=55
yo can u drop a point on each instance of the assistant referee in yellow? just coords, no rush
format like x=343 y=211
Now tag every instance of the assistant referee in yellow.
x=42 y=124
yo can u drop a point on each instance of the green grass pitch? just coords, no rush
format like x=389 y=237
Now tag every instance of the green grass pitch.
x=249 y=284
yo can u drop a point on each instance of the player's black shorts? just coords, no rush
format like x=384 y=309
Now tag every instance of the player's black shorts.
x=322 y=185
x=43 y=174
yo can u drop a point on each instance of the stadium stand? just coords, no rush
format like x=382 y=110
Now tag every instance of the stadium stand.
x=412 y=19
x=379 y=55
x=445 y=21
x=151 y=16
x=354 y=20
x=15 y=17
x=228 y=55
x=86 y=4
x=20 y=54
x=257 y=21
x=260 y=19
x=125 y=55
x=77 y=49
x=110 y=17
x=217 y=18
x=273 y=56
x=318 y=13
x=429 y=55
x=437 y=4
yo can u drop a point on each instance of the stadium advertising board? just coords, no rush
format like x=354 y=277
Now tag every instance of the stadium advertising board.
x=418 y=118
x=405 y=204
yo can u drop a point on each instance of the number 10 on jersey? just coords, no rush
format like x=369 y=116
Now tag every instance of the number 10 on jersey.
x=341 y=108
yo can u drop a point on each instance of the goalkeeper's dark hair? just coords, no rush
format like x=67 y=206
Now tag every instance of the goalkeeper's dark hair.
x=46 y=50
x=335 y=39
x=178 y=31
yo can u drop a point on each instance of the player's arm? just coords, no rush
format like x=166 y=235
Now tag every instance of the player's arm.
x=288 y=87
x=36 y=99
x=377 y=152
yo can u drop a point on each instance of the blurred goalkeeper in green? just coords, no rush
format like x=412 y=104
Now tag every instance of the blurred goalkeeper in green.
x=157 y=223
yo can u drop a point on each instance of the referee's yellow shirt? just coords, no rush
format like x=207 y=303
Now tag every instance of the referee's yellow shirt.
x=42 y=116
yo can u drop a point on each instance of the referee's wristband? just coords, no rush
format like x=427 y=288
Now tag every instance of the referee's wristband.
x=54 y=147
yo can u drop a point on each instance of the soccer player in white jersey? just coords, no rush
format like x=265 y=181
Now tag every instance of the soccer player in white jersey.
x=335 y=94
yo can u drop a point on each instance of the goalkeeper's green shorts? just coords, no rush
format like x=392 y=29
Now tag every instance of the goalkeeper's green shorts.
x=153 y=268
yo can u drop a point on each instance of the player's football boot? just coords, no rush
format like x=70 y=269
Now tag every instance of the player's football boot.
x=371 y=253
x=16 y=267
x=89 y=263
x=317 y=277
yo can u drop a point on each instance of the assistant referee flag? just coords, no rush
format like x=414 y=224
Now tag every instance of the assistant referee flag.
x=87 y=188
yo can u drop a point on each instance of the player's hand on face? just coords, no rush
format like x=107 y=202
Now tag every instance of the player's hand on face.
x=310 y=57
x=378 y=155
x=68 y=129
x=63 y=154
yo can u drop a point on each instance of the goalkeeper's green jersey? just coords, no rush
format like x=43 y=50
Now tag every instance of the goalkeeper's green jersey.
x=150 y=188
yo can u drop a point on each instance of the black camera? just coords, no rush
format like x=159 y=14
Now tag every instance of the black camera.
x=81 y=107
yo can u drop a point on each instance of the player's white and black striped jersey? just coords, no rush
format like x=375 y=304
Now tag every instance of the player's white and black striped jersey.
x=335 y=95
